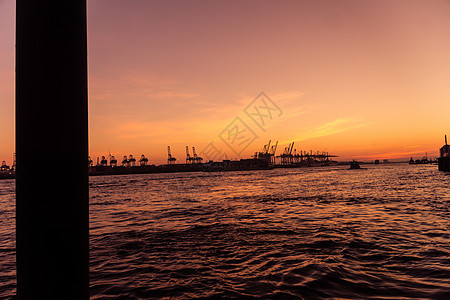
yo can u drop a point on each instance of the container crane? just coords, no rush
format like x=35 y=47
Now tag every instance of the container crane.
x=188 y=156
x=273 y=150
x=197 y=159
x=170 y=158
x=125 y=161
x=113 y=161
x=286 y=157
x=103 y=162
x=266 y=147
x=290 y=153
x=266 y=153
x=143 y=161
x=131 y=161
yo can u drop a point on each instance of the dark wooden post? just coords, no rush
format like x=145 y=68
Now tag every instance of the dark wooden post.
x=52 y=216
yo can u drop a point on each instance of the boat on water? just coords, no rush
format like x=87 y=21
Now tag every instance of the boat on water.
x=6 y=172
x=444 y=159
x=422 y=161
x=354 y=165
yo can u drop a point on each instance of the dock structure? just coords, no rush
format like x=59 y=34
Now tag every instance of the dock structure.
x=52 y=211
x=264 y=159
x=293 y=158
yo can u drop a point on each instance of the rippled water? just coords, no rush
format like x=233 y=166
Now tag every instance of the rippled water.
x=380 y=232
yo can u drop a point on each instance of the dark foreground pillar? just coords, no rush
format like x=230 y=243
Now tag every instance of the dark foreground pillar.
x=52 y=149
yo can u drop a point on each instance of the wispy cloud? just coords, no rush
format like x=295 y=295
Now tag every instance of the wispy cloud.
x=334 y=127
x=412 y=146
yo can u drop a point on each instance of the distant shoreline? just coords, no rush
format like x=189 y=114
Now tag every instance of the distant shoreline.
x=224 y=166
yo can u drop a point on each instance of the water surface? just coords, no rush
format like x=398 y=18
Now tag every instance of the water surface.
x=311 y=233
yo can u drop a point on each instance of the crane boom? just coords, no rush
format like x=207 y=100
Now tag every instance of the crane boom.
x=268 y=147
x=275 y=149
x=290 y=150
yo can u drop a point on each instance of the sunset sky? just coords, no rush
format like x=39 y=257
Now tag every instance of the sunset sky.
x=359 y=79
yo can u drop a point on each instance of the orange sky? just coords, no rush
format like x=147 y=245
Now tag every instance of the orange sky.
x=359 y=79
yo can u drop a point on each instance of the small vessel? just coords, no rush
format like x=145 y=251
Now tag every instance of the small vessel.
x=444 y=159
x=6 y=172
x=354 y=165
x=422 y=161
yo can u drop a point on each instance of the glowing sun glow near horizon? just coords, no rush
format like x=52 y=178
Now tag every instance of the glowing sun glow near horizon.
x=359 y=79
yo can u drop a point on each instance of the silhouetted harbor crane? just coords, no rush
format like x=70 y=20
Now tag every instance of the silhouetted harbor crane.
x=267 y=153
x=170 y=158
x=125 y=161
x=143 y=161
x=188 y=156
x=273 y=151
x=287 y=157
x=131 y=161
x=197 y=159
x=103 y=162
x=194 y=158
x=113 y=161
